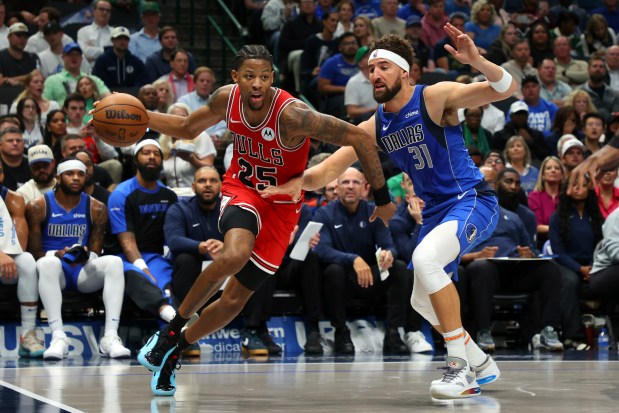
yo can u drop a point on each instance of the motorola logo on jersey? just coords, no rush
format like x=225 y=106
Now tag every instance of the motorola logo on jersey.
x=403 y=138
x=268 y=134
x=245 y=145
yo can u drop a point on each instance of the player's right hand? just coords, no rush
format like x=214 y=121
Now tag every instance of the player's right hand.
x=291 y=188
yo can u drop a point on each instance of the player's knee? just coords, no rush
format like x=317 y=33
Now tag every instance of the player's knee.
x=49 y=266
x=233 y=260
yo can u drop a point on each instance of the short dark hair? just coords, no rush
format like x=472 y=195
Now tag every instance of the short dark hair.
x=166 y=29
x=73 y=97
x=593 y=115
x=396 y=44
x=251 y=51
x=504 y=171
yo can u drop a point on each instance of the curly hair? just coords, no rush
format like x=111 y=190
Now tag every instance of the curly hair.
x=565 y=208
x=396 y=44
x=251 y=51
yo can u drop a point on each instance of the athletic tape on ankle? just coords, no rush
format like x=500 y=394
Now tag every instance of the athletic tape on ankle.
x=392 y=57
x=140 y=263
x=502 y=84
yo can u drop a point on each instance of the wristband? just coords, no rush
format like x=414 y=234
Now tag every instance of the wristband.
x=381 y=196
x=503 y=84
x=140 y=263
x=614 y=142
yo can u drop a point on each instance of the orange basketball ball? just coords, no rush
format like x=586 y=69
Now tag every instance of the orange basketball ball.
x=120 y=119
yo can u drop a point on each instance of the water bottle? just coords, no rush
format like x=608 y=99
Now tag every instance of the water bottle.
x=603 y=340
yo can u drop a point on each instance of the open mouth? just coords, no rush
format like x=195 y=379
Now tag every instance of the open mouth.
x=256 y=97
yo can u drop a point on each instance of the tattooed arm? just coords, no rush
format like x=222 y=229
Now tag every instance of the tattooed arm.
x=35 y=214
x=98 y=212
x=191 y=126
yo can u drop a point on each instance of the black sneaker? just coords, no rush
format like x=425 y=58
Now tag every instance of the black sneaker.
x=393 y=343
x=274 y=349
x=163 y=382
x=343 y=343
x=157 y=348
x=252 y=345
x=313 y=345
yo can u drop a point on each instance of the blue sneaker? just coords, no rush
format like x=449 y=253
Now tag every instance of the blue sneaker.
x=157 y=349
x=163 y=382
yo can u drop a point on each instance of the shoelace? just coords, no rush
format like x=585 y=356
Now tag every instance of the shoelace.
x=450 y=374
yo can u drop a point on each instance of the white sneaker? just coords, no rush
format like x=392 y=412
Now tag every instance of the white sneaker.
x=112 y=346
x=488 y=372
x=458 y=381
x=58 y=349
x=417 y=343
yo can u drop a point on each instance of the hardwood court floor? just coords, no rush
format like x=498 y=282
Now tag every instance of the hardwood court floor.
x=570 y=382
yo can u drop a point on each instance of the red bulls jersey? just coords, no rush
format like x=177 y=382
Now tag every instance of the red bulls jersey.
x=260 y=158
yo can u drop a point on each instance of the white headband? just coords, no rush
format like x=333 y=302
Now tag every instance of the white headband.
x=71 y=165
x=145 y=142
x=393 y=57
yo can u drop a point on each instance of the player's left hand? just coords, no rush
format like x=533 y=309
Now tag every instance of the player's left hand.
x=291 y=188
x=465 y=52
x=384 y=212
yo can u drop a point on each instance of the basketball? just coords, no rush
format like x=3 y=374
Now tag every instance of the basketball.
x=120 y=119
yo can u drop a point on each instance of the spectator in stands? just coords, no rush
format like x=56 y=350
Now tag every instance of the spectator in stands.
x=567 y=121
x=158 y=64
x=445 y=62
x=575 y=229
x=572 y=154
x=4 y=30
x=117 y=66
x=605 y=270
x=422 y=51
x=94 y=37
x=593 y=129
x=14 y=162
x=540 y=43
x=518 y=125
x=358 y=97
x=612 y=66
x=34 y=89
x=37 y=42
x=15 y=63
x=485 y=277
x=55 y=129
x=181 y=158
x=87 y=88
x=42 y=169
x=92 y=188
x=75 y=108
x=292 y=39
x=509 y=190
x=610 y=13
x=458 y=6
x=518 y=66
x=518 y=156
x=573 y=6
x=482 y=25
x=404 y=227
x=544 y=198
x=29 y=113
x=165 y=95
x=104 y=155
x=70 y=144
x=10 y=121
x=348 y=249
x=58 y=86
x=605 y=99
x=389 y=22
x=274 y=15
x=317 y=49
x=607 y=192
x=582 y=103
x=475 y=136
x=434 y=21
x=412 y=8
x=192 y=233
x=598 y=37
x=83 y=225
x=567 y=26
x=552 y=89
x=179 y=77
x=145 y=42
x=51 y=58
x=571 y=71
x=346 y=11
x=541 y=112
x=19 y=267
x=204 y=82
x=500 y=50
x=148 y=96
x=494 y=159
x=363 y=30
x=335 y=73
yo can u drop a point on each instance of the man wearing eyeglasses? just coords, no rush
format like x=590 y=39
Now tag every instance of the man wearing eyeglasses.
x=94 y=37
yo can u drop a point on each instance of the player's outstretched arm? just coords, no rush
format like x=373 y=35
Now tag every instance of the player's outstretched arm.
x=191 y=126
x=607 y=157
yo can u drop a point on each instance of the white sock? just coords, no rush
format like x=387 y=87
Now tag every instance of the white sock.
x=58 y=334
x=51 y=281
x=454 y=342
x=475 y=355
x=28 y=318
x=167 y=313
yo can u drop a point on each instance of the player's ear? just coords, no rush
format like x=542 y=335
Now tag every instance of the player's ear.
x=235 y=76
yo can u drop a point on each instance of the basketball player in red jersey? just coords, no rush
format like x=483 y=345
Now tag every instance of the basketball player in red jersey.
x=271 y=131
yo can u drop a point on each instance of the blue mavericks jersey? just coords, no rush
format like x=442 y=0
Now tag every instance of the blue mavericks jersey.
x=435 y=157
x=62 y=228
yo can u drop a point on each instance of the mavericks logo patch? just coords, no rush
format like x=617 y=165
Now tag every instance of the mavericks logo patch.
x=471 y=232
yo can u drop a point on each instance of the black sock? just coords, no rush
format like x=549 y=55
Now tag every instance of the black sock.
x=177 y=323
x=182 y=343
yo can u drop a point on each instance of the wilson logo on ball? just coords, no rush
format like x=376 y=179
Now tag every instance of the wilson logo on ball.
x=122 y=114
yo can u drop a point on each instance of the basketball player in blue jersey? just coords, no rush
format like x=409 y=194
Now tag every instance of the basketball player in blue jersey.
x=58 y=221
x=418 y=127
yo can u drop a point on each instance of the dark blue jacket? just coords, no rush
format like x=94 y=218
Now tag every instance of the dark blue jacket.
x=405 y=232
x=529 y=221
x=186 y=225
x=345 y=236
x=579 y=251
x=126 y=72
x=508 y=235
